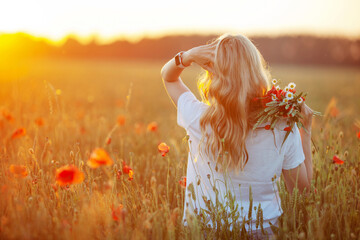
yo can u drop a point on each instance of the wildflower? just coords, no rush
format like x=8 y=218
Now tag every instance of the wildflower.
x=273 y=97
x=99 y=157
x=152 y=127
x=277 y=88
x=82 y=130
x=118 y=212
x=40 y=122
x=121 y=120
x=337 y=160
x=300 y=100
x=8 y=116
x=285 y=100
x=20 y=132
x=286 y=89
x=125 y=170
x=287 y=129
x=69 y=174
x=182 y=182
x=131 y=173
x=19 y=171
x=274 y=81
x=292 y=85
x=289 y=95
x=267 y=127
x=163 y=149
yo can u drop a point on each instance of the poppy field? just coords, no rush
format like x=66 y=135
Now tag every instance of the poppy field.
x=90 y=149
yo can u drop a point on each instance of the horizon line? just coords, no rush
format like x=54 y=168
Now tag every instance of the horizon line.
x=134 y=38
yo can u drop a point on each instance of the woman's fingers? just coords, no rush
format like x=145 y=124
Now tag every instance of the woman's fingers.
x=307 y=113
x=207 y=67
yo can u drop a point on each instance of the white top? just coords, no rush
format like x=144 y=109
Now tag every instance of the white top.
x=265 y=160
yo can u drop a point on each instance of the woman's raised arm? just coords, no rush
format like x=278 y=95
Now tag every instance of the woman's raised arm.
x=170 y=73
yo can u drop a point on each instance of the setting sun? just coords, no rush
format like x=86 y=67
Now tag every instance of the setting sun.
x=107 y=20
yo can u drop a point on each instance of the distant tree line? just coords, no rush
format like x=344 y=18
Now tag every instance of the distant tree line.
x=301 y=49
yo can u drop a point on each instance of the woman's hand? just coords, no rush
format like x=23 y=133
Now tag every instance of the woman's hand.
x=202 y=55
x=307 y=114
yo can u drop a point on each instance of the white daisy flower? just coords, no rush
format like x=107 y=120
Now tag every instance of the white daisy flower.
x=289 y=95
x=300 y=100
x=277 y=87
x=285 y=100
x=286 y=89
x=274 y=81
x=273 y=97
x=292 y=85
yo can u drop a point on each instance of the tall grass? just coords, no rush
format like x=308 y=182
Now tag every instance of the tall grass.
x=79 y=103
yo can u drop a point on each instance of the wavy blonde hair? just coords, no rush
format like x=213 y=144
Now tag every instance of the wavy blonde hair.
x=240 y=75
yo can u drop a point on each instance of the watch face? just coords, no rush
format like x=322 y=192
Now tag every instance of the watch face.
x=177 y=60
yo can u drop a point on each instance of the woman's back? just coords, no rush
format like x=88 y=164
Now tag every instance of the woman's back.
x=266 y=159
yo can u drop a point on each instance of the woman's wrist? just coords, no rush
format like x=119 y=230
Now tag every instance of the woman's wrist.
x=186 y=58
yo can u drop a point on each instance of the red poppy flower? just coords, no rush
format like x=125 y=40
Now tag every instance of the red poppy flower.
x=337 y=160
x=182 y=182
x=18 y=170
x=99 y=157
x=69 y=174
x=267 y=127
x=152 y=127
x=8 y=116
x=163 y=149
x=117 y=213
x=20 y=132
x=121 y=120
x=126 y=170
x=287 y=129
x=40 y=122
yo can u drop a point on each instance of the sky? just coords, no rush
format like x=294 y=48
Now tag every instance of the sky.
x=110 y=19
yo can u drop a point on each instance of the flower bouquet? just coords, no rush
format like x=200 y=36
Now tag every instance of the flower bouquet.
x=281 y=104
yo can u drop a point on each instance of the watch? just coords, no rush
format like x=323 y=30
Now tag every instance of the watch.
x=178 y=60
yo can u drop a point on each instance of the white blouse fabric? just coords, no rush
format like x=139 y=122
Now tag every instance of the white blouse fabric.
x=266 y=158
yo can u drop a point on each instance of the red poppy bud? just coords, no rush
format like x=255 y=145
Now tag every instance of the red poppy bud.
x=267 y=127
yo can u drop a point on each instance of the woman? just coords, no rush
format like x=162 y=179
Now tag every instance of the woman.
x=224 y=150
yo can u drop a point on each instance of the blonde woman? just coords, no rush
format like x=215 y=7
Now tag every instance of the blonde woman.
x=224 y=150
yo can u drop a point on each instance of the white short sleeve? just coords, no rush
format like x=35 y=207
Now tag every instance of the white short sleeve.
x=189 y=108
x=294 y=153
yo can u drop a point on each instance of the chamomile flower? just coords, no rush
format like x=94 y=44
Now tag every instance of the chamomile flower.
x=292 y=85
x=286 y=89
x=273 y=97
x=285 y=100
x=277 y=87
x=289 y=95
x=300 y=100
x=274 y=81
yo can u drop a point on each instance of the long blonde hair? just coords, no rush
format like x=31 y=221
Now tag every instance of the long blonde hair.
x=240 y=75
